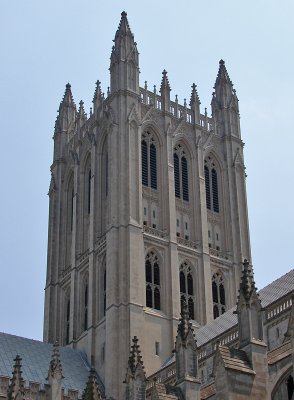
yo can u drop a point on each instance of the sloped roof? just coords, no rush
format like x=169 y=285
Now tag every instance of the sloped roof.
x=269 y=294
x=36 y=357
x=236 y=359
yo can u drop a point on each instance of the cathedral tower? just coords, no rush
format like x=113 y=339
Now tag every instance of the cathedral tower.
x=147 y=212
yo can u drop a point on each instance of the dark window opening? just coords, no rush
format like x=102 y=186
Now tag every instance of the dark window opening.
x=67 y=321
x=214 y=190
x=177 y=176
x=89 y=192
x=152 y=271
x=185 y=183
x=153 y=169
x=207 y=187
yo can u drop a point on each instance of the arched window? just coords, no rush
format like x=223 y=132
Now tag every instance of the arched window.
x=67 y=320
x=181 y=173
x=149 y=160
x=218 y=295
x=211 y=184
x=187 y=289
x=152 y=271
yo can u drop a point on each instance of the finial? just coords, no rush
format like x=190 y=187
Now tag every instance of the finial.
x=154 y=89
x=145 y=86
x=247 y=285
x=221 y=62
x=165 y=86
x=176 y=98
x=108 y=91
x=194 y=95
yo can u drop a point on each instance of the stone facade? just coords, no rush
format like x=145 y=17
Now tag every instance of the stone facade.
x=142 y=183
x=148 y=228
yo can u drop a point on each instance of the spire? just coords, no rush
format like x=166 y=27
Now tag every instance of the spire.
x=249 y=308
x=165 y=91
x=165 y=86
x=98 y=96
x=247 y=285
x=194 y=96
x=92 y=390
x=195 y=104
x=82 y=116
x=55 y=374
x=135 y=358
x=67 y=112
x=67 y=100
x=16 y=386
x=186 y=358
x=224 y=104
x=124 y=60
x=123 y=27
x=222 y=75
x=185 y=325
x=55 y=369
x=135 y=376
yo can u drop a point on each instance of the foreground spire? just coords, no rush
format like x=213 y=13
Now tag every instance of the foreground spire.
x=124 y=59
x=16 y=385
x=92 y=390
x=66 y=112
x=249 y=308
x=135 y=376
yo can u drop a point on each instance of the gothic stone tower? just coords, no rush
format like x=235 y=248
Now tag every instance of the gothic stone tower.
x=147 y=211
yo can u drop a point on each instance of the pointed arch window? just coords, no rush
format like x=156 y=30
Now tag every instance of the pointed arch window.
x=149 y=160
x=187 y=289
x=70 y=204
x=181 y=173
x=218 y=295
x=152 y=271
x=211 y=185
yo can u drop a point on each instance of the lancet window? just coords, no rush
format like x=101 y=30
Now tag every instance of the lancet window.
x=104 y=292
x=152 y=271
x=218 y=295
x=181 y=173
x=70 y=205
x=211 y=184
x=149 y=160
x=187 y=289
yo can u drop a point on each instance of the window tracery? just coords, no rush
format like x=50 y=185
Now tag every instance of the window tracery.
x=181 y=173
x=211 y=184
x=218 y=295
x=149 y=160
x=152 y=271
x=187 y=289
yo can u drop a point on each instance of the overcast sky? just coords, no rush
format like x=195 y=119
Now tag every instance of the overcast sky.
x=46 y=43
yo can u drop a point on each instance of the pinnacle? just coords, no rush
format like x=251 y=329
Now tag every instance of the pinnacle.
x=222 y=75
x=135 y=357
x=67 y=100
x=164 y=82
x=92 y=390
x=55 y=363
x=194 y=95
x=124 y=27
x=98 y=93
x=16 y=386
x=247 y=285
x=185 y=325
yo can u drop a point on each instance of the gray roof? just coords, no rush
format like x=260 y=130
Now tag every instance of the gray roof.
x=268 y=295
x=36 y=357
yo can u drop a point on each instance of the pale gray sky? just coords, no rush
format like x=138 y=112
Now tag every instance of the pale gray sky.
x=45 y=44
